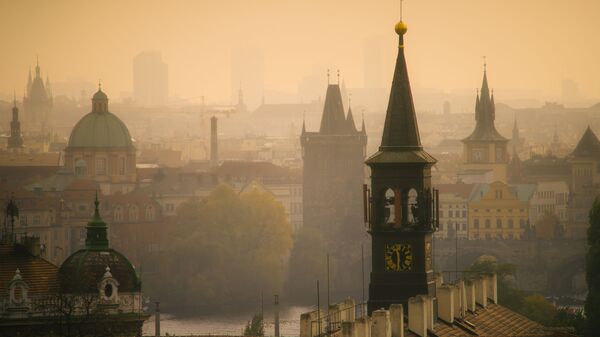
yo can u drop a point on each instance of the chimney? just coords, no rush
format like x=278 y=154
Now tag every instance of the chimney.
x=460 y=299
x=348 y=329
x=429 y=306
x=481 y=290
x=380 y=326
x=439 y=279
x=470 y=295
x=445 y=297
x=309 y=324
x=397 y=320
x=362 y=327
x=417 y=312
x=214 y=145
x=348 y=314
x=492 y=287
x=32 y=244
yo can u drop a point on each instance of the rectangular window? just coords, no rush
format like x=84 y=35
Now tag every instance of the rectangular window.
x=122 y=166
x=100 y=166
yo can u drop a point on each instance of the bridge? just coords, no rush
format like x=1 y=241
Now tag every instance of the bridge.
x=551 y=267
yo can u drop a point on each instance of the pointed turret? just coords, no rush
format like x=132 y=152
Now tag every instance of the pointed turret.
x=363 y=130
x=588 y=145
x=15 y=141
x=333 y=120
x=485 y=114
x=350 y=120
x=97 y=236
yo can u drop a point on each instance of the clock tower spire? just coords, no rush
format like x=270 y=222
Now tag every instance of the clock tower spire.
x=402 y=212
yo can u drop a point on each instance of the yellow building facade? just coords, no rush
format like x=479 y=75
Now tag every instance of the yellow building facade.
x=499 y=211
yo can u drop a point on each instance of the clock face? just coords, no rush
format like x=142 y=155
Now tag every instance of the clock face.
x=398 y=257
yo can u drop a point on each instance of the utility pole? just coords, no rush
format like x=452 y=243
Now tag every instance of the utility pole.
x=328 y=303
x=362 y=267
x=157 y=320
x=318 y=311
x=276 y=315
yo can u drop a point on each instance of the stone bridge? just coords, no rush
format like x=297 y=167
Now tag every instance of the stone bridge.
x=555 y=267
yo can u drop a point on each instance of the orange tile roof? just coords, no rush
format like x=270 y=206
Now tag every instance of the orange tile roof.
x=40 y=275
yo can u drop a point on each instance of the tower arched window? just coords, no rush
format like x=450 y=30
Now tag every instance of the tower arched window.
x=118 y=214
x=133 y=213
x=80 y=167
x=413 y=206
x=150 y=213
x=391 y=211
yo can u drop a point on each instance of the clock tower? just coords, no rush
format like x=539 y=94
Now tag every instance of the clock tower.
x=402 y=212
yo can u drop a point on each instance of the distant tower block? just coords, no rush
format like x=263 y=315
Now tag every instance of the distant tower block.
x=214 y=143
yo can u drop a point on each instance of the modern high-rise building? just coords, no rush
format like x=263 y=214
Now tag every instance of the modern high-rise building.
x=150 y=79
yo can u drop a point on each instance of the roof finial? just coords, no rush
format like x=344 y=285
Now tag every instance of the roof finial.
x=327 y=76
x=401 y=1
x=97 y=203
x=99 y=85
x=484 y=64
x=37 y=60
x=338 y=76
x=15 y=97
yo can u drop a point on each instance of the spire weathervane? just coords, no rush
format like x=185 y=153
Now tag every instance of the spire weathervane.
x=484 y=64
x=338 y=76
x=327 y=76
x=401 y=1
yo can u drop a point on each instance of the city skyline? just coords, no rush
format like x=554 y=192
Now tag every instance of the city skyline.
x=295 y=38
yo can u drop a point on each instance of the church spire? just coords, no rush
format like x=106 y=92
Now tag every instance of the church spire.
x=37 y=67
x=333 y=120
x=400 y=131
x=97 y=236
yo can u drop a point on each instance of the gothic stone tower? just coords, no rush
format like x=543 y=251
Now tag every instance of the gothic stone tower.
x=333 y=171
x=485 y=148
x=402 y=209
x=38 y=102
x=15 y=141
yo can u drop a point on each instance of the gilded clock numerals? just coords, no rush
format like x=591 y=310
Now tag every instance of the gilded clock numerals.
x=398 y=257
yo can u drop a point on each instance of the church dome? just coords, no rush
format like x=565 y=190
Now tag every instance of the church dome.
x=100 y=128
x=83 y=270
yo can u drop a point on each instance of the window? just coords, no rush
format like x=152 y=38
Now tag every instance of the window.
x=522 y=223
x=487 y=223
x=169 y=207
x=442 y=226
x=122 y=166
x=118 y=213
x=476 y=223
x=499 y=223
x=510 y=223
x=464 y=227
x=441 y=213
x=100 y=166
x=464 y=214
x=36 y=219
x=450 y=214
x=150 y=213
x=133 y=213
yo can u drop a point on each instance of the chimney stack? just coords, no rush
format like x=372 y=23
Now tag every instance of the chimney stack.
x=470 y=295
x=446 y=298
x=492 y=287
x=214 y=145
x=417 y=316
x=380 y=326
x=397 y=320
x=481 y=290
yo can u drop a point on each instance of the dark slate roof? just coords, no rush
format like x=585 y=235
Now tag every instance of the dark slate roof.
x=400 y=142
x=588 y=145
x=333 y=120
x=40 y=275
x=82 y=271
x=485 y=114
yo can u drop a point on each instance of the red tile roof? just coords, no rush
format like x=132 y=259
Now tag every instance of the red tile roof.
x=40 y=275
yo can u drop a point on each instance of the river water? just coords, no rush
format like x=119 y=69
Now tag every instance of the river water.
x=225 y=325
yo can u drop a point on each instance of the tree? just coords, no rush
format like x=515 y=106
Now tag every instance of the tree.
x=222 y=250
x=592 y=302
x=255 y=327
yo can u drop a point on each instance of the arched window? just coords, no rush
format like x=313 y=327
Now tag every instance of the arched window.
x=80 y=167
x=413 y=206
x=118 y=214
x=476 y=223
x=487 y=223
x=150 y=212
x=390 y=211
x=499 y=223
x=133 y=213
x=510 y=223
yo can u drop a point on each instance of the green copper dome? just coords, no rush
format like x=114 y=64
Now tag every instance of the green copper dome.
x=100 y=128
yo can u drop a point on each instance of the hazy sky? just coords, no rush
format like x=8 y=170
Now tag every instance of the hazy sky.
x=529 y=44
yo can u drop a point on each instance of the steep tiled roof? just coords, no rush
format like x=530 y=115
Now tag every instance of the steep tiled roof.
x=40 y=275
x=492 y=321
x=588 y=145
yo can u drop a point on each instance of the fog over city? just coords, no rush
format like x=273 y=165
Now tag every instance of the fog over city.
x=299 y=168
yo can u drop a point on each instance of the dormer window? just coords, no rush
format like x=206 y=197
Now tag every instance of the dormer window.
x=108 y=288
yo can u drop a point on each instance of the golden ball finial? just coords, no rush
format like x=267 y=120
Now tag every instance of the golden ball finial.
x=400 y=28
